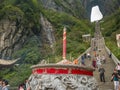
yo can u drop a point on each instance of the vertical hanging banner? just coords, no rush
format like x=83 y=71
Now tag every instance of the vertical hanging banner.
x=64 y=43
x=118 y=39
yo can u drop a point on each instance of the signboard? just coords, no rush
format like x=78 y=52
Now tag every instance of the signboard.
x=118 y=39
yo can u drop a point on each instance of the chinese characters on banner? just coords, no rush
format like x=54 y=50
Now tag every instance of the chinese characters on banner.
x=118 y=39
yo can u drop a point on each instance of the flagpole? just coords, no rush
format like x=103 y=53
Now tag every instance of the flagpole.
x=64 y=43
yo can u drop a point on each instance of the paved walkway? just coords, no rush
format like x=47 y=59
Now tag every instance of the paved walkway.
x=108 y=66
x=98 y=49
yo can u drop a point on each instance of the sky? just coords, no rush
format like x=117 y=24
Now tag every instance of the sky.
x=96 y=14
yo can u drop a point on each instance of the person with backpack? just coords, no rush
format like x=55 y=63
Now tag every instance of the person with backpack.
x=115 y=78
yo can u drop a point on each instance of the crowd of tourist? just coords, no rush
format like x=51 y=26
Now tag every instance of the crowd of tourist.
x=97 y=62
x=4 y=85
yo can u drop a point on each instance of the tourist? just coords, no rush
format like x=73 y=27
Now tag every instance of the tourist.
x=88 y=55
x=103 y=59
x=4 y=84
x=115 y=78
x=27 y=87
x=0 y=84
x=94 y=63
x=82 y=60
x=118 y=68
x=102 y=74
x=21 y=87
x=98 y=62
x=85 y=55
x=75 y=61
x=110 y=55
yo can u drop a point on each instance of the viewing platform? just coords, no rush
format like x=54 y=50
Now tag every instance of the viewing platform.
x=62 y=77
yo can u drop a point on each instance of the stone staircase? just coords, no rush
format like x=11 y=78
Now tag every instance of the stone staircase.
x=108 y=66
x=98 y=48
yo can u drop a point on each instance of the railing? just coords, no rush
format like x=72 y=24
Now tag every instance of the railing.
x=113 y=57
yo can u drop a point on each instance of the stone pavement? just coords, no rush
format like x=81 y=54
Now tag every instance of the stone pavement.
x=108 y=66
x=98 y=49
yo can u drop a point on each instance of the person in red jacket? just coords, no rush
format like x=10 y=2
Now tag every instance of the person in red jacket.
x=94 y=63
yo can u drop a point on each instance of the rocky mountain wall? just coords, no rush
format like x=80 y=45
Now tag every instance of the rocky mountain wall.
x=11 y=38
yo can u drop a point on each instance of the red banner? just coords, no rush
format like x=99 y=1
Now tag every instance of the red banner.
x=74 y=71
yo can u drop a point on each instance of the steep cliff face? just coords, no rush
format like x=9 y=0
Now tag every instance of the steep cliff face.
x=17 y=26
x=12 y=37
x=47 y=34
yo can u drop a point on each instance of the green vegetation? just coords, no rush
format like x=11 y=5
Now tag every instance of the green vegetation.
x=16 y=75
x=11 y=12
x=75 y=29
x=29 y=13
x=111 y=27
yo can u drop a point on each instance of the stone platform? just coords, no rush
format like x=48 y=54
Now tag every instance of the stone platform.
x=62 y=77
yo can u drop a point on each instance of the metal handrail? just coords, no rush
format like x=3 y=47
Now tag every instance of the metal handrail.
x=113 y=57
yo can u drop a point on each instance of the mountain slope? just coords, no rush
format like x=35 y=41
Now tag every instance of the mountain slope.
x=111 y=27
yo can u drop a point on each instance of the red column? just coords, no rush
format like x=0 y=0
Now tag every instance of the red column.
x=64 y=43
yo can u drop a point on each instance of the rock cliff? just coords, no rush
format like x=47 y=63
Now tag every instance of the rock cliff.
x=13 y=36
